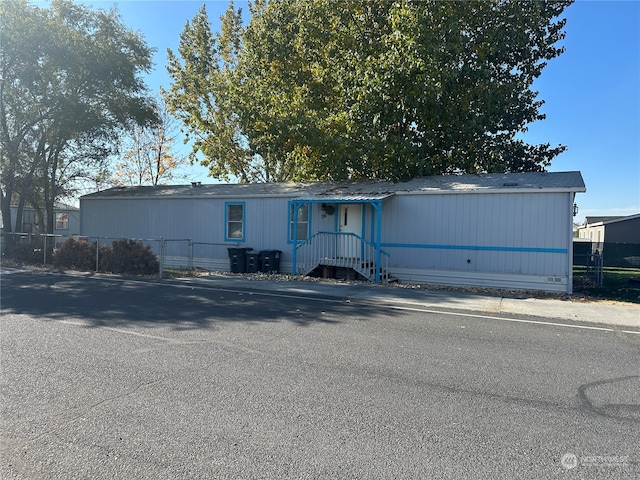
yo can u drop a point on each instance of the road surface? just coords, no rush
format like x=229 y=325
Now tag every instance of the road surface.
x=113 y=378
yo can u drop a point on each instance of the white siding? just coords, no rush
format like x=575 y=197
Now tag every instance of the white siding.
x=201 y=220
x=480 y=234
x=517 y=240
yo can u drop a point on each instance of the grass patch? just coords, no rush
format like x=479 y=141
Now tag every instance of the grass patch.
x=618 y=284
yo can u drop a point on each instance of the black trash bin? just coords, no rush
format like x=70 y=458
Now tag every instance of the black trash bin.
x=253 y=262
x=238 y=259
x=270 y=260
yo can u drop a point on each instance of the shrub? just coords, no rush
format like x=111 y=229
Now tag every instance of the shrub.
x=75 y=254
x=130 y=257
x=28 y=253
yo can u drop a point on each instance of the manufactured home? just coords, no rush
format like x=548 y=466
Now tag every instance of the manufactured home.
x=511 y=230
x=611 y=229
x=66 y=218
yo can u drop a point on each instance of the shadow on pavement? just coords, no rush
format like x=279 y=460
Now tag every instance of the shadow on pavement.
x=117 y=302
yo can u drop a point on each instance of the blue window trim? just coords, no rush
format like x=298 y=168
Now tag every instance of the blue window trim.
x=289 y=239
x=226 y=224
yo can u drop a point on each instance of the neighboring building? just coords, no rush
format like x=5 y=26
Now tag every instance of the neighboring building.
x=498 y=230
x=66 y=218
x=611 y=229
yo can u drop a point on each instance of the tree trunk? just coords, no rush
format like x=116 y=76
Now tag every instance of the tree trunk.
x=19 y=212
x=5 y=207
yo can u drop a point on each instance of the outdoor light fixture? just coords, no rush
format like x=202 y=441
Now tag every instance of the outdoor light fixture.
x=575 y=209
x=328 y=209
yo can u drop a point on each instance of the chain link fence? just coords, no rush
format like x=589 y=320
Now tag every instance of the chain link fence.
x=591 y=258
x=172 y=253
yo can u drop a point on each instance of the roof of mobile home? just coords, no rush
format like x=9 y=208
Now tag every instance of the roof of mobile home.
x=467 y=183
x=597 y=221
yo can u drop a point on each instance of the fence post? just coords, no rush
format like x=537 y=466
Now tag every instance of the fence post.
x=599 y=264
x=97 y=253
x=161 y=269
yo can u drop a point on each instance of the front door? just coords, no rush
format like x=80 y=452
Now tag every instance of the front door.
x=349 y=221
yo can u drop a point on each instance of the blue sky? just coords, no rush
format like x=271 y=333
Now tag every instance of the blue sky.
x=591 y=92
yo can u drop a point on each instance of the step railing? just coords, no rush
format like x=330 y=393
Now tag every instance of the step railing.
x=341 y=249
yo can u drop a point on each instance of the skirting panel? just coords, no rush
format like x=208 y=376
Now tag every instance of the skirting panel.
x=482 y=279
x=210 y=264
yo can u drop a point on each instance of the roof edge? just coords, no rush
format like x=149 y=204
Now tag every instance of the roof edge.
x=494 y=192
x=614 y=220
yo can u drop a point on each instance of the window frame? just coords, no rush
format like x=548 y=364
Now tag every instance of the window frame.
x=290 y=223
x=66 y=222
x=227 y=206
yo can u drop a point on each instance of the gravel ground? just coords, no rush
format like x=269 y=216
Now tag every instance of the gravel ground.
x=496 y=292
x=279 y=277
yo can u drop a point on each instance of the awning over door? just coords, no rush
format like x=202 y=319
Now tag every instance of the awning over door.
x=343 y=198
x=375 y=200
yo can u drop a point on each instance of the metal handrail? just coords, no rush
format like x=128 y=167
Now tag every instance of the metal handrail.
x=341 y=249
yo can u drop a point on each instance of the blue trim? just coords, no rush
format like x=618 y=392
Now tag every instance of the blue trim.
x=376 y=226
x=378 y=239
x=226 y=218
x=296 y=206
x=476 y=247
x=373 y=223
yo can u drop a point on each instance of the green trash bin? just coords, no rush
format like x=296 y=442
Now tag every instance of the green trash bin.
x=270 y=260
x=238 y=259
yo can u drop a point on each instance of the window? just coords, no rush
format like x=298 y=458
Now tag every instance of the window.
x=301 y=231
x=234 y=219
x=29 y=224
x=62 y=221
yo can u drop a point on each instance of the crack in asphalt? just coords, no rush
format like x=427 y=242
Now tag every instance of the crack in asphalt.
x=588 y=406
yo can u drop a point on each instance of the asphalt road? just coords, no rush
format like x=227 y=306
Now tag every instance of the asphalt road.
x=122 y=379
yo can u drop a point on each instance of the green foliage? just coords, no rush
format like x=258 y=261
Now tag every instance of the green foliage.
x=75 y=255
x=203 y=95
x=129 y=257
x=71 y=79
x=316 y=89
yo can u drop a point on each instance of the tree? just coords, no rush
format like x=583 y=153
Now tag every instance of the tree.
x=147 y=157
x=203 y=92
x=367 y=88
x=70 y=80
